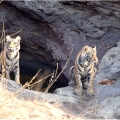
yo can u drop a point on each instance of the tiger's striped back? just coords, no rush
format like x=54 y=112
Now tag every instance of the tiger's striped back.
x=10 y=58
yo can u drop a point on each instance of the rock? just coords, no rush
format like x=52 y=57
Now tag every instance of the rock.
x=73 y=104
x=65 y=91
x=30 y=94
x=50 y=28
x=117 y=113
x=108 y=96
x=109 y=68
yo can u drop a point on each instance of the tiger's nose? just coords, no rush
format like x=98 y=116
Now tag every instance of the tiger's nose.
x=10 y=48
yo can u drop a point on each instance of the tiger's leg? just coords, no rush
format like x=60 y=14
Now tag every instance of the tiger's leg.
x=95 y=71
x=17 y=75
x=7 y=74
x=85 y=83
x=90 y=91
x=78 y=87
x=72 y=77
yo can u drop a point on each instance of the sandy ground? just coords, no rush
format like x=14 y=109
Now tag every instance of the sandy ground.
x=13 y=108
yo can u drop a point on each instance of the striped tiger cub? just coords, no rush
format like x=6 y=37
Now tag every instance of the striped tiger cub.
x=83 y=72
x=10 y=58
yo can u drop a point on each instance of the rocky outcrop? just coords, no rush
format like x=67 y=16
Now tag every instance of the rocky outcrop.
x=109 y=95
x=49 y=28
x=26 y=94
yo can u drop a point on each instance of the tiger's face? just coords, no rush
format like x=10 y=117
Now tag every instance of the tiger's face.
x=12 y=44
x=87 y=56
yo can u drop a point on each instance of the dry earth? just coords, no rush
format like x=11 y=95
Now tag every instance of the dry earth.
x=13 y=108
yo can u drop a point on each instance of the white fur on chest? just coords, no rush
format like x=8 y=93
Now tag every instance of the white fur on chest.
x=13 y=58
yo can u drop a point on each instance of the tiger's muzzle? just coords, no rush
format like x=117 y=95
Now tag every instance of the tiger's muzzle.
x=10 y=49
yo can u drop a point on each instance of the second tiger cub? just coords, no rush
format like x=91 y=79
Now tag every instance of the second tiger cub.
x=83 y=72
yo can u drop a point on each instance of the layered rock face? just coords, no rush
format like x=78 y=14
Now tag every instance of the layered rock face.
x=49 y=29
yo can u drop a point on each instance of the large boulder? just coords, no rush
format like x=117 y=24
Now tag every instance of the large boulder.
x=109 y=95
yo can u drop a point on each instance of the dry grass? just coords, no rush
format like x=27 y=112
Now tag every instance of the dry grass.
x=13 y=108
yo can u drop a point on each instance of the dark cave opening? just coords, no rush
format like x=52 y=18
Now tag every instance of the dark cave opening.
x=29 y=66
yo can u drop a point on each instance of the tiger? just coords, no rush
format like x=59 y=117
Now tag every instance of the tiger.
x=83 y=72
x=10 y=58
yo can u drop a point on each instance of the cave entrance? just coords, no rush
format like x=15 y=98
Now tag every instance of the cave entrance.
x=26 y=78
x=30 y=65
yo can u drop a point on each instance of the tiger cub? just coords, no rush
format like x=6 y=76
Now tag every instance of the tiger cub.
x=83 y=72
x=10 y=58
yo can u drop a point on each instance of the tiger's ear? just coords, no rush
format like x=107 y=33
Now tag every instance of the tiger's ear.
x=94 y=48
x=8 y=38
x=18 y=38
x=85 y=48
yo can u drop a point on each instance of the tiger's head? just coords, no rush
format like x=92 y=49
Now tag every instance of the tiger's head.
x=12 y=45
x=88 y=56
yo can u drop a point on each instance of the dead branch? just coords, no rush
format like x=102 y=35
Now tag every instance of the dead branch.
x=23 y=87
x=39 y=80
x=2 y=37
x=15 y=33
x=4 y=81
x=28 y=83
x=1 y=1
x=34 y=77
x=55 y=79
x=56 y=71
x=11 y=35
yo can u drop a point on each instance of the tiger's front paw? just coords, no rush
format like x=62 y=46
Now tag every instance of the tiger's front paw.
x=78 y=91
x=71 y=83
x=18 y=82
x=90 y=93
x=20 y=85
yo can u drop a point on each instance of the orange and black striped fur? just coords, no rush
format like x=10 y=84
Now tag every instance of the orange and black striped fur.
x=10 y=58
x=83 y=72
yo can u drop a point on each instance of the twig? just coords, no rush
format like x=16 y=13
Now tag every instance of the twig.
x=11 y=35
x=24 y=86
x=28 y=83
x=15 y=33
x=34 y=77
x=1 y=1
x=52 y=79
x=2 y=55
x=2 y=36
x=60 y=72
x=40 y=80
x=56 y=71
